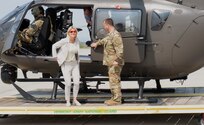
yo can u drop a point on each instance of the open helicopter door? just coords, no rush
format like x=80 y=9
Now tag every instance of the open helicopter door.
x=10 y=26
x=130 y=20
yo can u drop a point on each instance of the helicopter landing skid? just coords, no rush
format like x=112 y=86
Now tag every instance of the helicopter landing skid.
x=140 y=98
x=57 y=82
x=31 y=98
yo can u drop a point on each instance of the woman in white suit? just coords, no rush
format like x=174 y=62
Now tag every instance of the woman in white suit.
x=68 y=59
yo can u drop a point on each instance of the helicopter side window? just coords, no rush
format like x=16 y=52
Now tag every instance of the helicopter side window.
x=127 y=22
x=159 y=18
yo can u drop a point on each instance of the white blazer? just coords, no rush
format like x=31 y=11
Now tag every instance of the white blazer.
x=63 y=46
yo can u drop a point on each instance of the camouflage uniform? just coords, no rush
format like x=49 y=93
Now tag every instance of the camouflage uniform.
x=31 y=33
x=113 y=51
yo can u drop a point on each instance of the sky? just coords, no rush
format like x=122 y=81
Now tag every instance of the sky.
x=7 y=6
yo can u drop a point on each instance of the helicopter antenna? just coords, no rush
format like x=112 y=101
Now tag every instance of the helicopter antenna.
x=180 y=2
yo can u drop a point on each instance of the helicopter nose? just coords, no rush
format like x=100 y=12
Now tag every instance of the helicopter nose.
x=1 y=33
x=1 y=38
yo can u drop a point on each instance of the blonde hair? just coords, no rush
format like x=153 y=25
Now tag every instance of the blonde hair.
x=70 y=28
x=76 y=39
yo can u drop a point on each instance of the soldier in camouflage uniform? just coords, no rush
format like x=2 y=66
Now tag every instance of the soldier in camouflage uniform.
x=113 y=58
x=28 y=35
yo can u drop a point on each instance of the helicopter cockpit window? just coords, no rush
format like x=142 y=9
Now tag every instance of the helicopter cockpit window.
x=127 y=22
x=159 y=18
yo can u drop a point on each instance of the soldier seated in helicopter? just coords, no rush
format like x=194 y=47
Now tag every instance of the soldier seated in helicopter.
x=37 y=38
x=33 y=39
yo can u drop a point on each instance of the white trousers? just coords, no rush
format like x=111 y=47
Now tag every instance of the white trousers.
x=71 y=69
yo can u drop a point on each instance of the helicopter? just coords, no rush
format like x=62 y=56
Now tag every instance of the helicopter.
x=163 y=39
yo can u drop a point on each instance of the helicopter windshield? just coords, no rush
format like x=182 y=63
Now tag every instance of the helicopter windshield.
x=12 y=14
x=9 y=25
x=6 y=22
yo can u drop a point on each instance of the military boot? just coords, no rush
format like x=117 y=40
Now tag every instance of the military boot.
x=112 y=102
x=116 y=99
x=112 y=96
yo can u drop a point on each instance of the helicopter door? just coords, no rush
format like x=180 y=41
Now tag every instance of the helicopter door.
x=129 y=22
x=11 y=24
